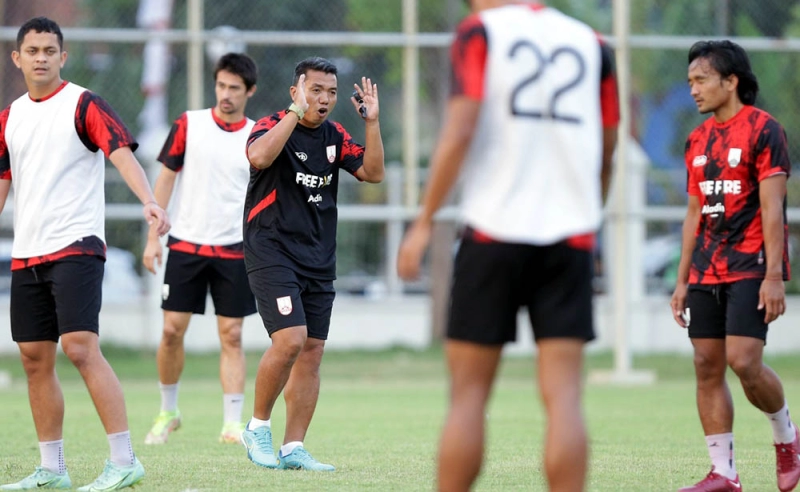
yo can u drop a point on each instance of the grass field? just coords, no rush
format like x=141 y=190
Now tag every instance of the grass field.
x=378 y=421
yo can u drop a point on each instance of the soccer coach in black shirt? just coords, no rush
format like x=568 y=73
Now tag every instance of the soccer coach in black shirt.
x=290 y=246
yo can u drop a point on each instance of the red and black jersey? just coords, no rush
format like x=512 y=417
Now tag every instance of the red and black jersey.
x=97 y=124
x=469 y=54
x=544 y=81
x=89 y=246
x=57 y=173
x=290 y=214
x=208 y=155
x=173 y=151
x=725 y=163
x=225 y=252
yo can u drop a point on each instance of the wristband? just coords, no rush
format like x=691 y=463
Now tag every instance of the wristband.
x=294 y=108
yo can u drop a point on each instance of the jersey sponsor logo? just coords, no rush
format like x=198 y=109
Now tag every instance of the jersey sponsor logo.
x=315 y=198
x=285 y=305
x=301 y=155
x=699 y=160
x=165 y=292
x=713 y=210
x=724 y=186
x=312 y=181
x=331 y=151
x=734 y=157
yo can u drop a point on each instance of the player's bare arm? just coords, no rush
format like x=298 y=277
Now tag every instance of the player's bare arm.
x=456 y=134
x=265 y=149
x=772 y=296
x=373 y=170
x=5 y=187
x=690 y=222
x=609 y=143
x=134 y=176
x=162 y=189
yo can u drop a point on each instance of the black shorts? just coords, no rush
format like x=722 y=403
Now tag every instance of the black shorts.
x=286 y=298
x=51 y=299
x=717 y=311
x=188 y=278
x=492 y=280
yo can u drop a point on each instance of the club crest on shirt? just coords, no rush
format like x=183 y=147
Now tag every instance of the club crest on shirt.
x=331 y=151
x=285 y=305
x=699 y=160
x=734 y=157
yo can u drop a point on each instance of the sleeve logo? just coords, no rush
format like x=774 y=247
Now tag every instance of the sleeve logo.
x=734 y=157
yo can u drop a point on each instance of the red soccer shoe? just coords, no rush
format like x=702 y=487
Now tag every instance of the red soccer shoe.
x=788 y=463
x=714 y=482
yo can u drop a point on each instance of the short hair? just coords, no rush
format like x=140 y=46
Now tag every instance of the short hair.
x=728 y=58
x=238 y=64
x=40 y=24
x=315 y=63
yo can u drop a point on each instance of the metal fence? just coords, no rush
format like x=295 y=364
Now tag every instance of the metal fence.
x=151 y=59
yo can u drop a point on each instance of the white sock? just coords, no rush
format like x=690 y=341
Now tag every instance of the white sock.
x=232 y=405
x=52 y=453
x=782 y=427
x=256 y=423
x=287 y=448
x=121 y=448
x=720 y=448
x=169 y=397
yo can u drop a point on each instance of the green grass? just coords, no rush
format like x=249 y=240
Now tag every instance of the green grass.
x=378 y=421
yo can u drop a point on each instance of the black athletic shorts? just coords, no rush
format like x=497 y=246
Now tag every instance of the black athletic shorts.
x=286 y=298
x=726 y=309
x=54 y=298
x=188 y=278
x=492 y=280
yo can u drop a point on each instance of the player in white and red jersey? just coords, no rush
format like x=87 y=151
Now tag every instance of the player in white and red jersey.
x=531 y=126
x=205 y=164
x=49 y=143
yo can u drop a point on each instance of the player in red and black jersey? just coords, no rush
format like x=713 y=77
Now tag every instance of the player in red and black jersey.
x=49 y=143
x=290 y=222
x=734 y=257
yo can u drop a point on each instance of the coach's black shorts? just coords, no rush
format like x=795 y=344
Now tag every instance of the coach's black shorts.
x=492 y=280
x=286 y=298
x=54 y=298
x=188 y=278
x=726 y=309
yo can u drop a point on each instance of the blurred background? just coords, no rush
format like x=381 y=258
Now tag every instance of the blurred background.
x=152 y=60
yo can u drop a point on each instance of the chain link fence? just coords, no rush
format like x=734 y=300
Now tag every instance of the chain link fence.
x=137 y=54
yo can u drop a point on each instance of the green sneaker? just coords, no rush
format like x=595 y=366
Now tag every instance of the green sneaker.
x=300 y=459
x=165 y=423
x=259 y=446
x=116 y=477
x=41 y=479
x=231 y=433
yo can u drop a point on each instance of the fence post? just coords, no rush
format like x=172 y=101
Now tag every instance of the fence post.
x=194 y=64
